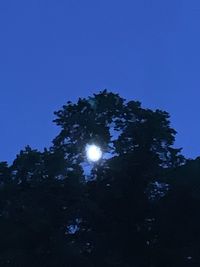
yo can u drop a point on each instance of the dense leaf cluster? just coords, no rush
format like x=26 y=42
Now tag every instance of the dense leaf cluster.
x=137 y=207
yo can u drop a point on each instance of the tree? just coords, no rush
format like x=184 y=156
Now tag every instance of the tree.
x=56 y=214
x=178 y=218
x=139 y=142
x=38 y=203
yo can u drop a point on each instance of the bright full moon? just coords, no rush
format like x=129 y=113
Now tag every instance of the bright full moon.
x=93 y=152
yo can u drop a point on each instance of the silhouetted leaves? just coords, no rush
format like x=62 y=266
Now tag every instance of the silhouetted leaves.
x=138 y=206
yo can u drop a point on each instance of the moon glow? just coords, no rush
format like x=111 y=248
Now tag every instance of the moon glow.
x=93 y=152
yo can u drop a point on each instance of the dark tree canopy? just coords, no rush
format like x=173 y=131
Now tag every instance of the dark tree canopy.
x=136 y=207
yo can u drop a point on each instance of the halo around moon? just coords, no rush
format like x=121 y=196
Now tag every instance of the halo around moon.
x=93 y=153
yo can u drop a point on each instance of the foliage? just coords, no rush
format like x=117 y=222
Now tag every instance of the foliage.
x=137 y=207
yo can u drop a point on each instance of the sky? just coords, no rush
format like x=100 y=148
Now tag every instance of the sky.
x=52 y=51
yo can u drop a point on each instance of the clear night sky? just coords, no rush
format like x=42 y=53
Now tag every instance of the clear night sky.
x=54 y=51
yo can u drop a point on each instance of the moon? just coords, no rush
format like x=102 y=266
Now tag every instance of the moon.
x=93 y=152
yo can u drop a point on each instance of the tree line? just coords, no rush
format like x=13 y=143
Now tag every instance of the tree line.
x=137 y=207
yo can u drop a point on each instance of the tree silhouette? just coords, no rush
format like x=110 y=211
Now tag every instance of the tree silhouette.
x=135 y=207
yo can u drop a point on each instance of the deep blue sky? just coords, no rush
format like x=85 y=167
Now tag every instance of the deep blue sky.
x=54 y=51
